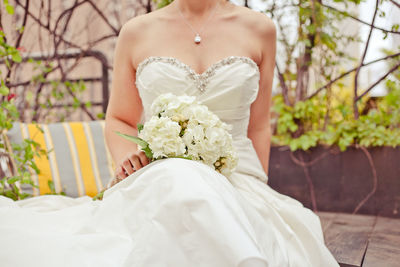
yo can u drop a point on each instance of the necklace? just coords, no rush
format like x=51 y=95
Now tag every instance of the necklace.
x=197 y=38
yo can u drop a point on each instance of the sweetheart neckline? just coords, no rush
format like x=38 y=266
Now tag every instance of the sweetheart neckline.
x=201 y=79
x=209 y=69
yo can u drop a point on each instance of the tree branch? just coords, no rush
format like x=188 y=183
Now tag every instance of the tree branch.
x=395 y=3
x=359 y=20
x=355 y=107
x=285 y=89
x=19 y=39
x=38 y=21
x=374 y=179
x=378 y=81
x=350 y=71
x=101 y=14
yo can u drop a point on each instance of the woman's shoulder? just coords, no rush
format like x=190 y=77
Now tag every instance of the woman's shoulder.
x=258 y=21
x=137 y=24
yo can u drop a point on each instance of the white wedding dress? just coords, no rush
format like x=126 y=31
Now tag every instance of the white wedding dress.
x=173 y=212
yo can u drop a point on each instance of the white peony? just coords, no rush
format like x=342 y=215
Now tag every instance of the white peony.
x=162 y=135
x=169 y=105
x=207 y=144
x=229 y=163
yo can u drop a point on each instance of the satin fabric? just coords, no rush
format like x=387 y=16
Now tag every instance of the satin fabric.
x=174 y=212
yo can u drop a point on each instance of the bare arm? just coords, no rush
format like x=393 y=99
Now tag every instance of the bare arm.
x=124 y=108
x=259 y=126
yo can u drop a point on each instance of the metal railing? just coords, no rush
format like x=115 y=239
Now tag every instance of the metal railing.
x=75 y=54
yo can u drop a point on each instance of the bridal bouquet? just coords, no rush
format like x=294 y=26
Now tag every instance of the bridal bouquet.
x=180 y=127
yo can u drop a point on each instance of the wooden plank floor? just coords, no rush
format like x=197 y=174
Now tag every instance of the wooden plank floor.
x=362 y=240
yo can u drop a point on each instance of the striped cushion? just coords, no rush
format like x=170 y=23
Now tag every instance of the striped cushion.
x=79 y=162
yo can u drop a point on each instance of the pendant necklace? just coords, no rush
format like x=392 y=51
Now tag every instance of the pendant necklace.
x=197 y=38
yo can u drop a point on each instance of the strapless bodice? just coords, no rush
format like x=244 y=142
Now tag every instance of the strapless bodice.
x=228 y=87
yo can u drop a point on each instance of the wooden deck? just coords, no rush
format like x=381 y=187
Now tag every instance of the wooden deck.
x=362 y=240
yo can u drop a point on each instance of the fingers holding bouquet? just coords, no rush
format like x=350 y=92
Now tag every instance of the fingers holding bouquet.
x=132 y=162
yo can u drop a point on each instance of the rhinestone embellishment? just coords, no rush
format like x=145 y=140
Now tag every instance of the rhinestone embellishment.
x=201 y=79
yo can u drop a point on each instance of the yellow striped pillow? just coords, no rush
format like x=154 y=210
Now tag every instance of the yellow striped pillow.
x=78 y=163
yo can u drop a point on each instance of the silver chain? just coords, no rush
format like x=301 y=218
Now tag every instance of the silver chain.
x=185 y=20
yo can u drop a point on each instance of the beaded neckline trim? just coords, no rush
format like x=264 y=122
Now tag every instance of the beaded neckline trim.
x=201 y=79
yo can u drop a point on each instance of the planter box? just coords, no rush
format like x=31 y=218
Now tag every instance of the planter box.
x=339 y=181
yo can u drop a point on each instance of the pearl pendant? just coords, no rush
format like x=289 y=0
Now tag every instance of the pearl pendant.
x=197 y=39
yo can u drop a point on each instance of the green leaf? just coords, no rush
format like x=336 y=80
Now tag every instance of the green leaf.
x=16 y=57
x=13 y=180
x=143 y=144
x=9 y=9
x=140 y=127
x=134 y=139
x=11 y=194
x=24 y=195
x=50 y=183
x=147 y=151
x=99 y=196
x=100 y=115
x=7 y=62
x=4 y=90
x=27 y=180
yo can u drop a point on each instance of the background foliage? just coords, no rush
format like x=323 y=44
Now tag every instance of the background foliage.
x=22 y=157
x=330 y=109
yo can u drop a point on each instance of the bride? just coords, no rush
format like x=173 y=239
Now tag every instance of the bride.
x=177 y=212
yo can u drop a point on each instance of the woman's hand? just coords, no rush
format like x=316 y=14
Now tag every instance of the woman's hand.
x=131 y=163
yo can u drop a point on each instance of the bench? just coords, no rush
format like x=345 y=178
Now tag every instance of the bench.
x=78 y=162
